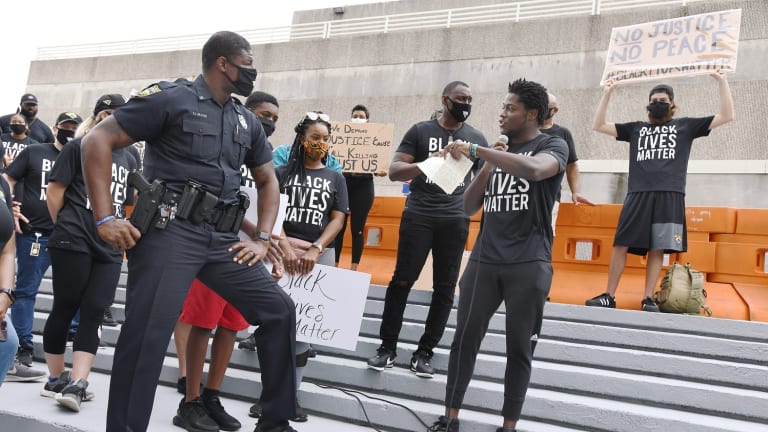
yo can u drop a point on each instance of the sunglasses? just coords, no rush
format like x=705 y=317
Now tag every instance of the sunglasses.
x=315 y=115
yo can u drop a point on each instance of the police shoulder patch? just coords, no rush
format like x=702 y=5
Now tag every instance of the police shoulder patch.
x=154 y=88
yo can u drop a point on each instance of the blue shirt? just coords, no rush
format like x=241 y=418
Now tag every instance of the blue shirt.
x=189 y=135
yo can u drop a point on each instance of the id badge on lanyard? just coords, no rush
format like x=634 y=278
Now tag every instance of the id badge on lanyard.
x=35 y=249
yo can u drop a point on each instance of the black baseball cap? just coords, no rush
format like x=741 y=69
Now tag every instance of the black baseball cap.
x=28 y=98
x=109 y=101
x=662 y=88
x=68 y=116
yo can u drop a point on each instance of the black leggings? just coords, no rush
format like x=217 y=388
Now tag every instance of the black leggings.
x=79 y=282
x=361 y=194
x=523 y=288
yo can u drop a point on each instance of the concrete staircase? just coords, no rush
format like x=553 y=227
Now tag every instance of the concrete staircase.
x=594 y=369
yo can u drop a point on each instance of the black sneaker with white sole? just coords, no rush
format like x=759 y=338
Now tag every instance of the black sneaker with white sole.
x=384 y=358
x=73 y=395
x=421 y=365
x=603 y=300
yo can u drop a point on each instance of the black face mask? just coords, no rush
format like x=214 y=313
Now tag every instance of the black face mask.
x=658 y=109
x=460 y=111
x=245 y=79
x=268 y=125
x=18 y=129
x=64 y=136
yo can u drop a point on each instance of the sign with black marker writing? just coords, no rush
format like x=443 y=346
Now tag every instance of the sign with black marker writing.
x=691 y=45
x=362 y=147
x=329 y=305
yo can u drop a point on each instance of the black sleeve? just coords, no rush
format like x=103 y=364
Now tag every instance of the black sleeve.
x=410 y=142
x=624 y=131
x=67 y=164
x=18 y=168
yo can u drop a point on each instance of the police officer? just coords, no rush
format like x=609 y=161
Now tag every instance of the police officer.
x=193 y=129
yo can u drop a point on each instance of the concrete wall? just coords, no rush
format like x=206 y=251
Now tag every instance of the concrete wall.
x=399 y=76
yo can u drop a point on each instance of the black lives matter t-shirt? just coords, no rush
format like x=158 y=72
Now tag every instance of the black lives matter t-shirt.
x=33 y=167
x=517 y=212
x=12 y=147
x=311 y=200
x=75 y=228
x=423 y=140
x=658 y=154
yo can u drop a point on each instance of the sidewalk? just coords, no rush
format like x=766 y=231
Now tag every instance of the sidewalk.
x=22 y=409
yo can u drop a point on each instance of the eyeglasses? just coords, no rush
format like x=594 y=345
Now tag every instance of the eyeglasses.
x=316 y=115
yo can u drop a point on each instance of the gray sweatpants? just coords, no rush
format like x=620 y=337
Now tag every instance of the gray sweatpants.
x=523 y=288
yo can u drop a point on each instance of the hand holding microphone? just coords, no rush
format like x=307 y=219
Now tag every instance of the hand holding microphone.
x=501 y=143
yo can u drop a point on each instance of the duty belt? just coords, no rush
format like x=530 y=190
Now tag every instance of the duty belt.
x=198 y=206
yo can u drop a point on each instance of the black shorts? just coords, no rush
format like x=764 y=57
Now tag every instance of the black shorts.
x=652 y=221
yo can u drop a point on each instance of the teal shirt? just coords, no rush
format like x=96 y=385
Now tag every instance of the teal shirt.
x=280 y=157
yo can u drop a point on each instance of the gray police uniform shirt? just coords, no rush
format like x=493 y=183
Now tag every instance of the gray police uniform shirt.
x=189 y=135
x=32 y=168
x=311 y=201
x=423 y=140
x=658 y=154
x=517 y=212
x=75 y=228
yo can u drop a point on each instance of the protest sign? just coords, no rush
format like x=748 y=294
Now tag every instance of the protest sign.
x=691 y=45
x=329 y=305
x=362 y=147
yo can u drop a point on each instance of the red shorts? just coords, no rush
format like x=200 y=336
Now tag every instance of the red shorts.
x=206 y=309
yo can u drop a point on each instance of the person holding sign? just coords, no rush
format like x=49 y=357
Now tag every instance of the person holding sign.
x=361 y=195
x=432 y=220
x=652 y=220
x=512 y=259
x=317 y=205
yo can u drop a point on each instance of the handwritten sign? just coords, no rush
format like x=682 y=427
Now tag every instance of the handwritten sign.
x=362 y=147
x=691 y=45
x=329 y=305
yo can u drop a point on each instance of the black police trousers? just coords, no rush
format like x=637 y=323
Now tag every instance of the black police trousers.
x=161 y=268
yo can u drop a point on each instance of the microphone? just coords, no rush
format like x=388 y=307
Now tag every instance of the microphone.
x=502 y=139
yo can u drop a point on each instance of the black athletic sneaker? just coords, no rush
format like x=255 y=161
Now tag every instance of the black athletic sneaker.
x=24 y=355
x=421 y=365
x=249 y=343
x=193 y=417
x=108 y=319
x=603 y=300
x=274 y=427
x=444 y=424
x=384 y=358
x=73 y=395
x=51 y=388
x=649 y=305
x=216 y=410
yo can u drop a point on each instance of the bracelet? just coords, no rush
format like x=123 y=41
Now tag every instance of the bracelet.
x=473 y=151
x=104 y=220
x=10 y=294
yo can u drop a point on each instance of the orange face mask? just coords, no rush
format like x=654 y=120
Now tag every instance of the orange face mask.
x=315 y=151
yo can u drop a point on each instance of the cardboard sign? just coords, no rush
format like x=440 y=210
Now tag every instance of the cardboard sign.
x=329 y=305
x=692 y=45
x=362 y=147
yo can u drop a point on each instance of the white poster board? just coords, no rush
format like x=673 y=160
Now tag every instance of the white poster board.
x=329 y=305
x=690 y=45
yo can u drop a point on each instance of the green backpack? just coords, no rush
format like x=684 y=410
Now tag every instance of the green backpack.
x=682 y=291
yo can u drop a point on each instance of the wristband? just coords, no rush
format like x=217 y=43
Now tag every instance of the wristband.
x=11 y=295
x=473 y=151
x=104 y=220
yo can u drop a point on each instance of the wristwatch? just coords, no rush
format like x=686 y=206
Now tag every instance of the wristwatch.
x=318 y=245
x=264 y=236
x=11 y=295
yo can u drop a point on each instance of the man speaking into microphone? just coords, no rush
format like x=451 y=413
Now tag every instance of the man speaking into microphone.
x=511 y=261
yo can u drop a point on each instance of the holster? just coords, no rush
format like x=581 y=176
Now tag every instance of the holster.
x=197 y=206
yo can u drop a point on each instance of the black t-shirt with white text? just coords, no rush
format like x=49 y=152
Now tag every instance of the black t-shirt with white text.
x=75 y=228
x=12 y=147
x=33 y=167
x=517 y=212
x=423 y=140
x=658 y=154
x=38 y=130
x=310 y=201
x=6 y=213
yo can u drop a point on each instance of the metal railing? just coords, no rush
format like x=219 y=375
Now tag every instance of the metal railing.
x=446 y=18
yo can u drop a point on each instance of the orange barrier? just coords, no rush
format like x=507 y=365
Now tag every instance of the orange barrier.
x=730 y=246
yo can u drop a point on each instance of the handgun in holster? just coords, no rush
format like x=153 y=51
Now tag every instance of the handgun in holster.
x=148 y=203
x=233 y=215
